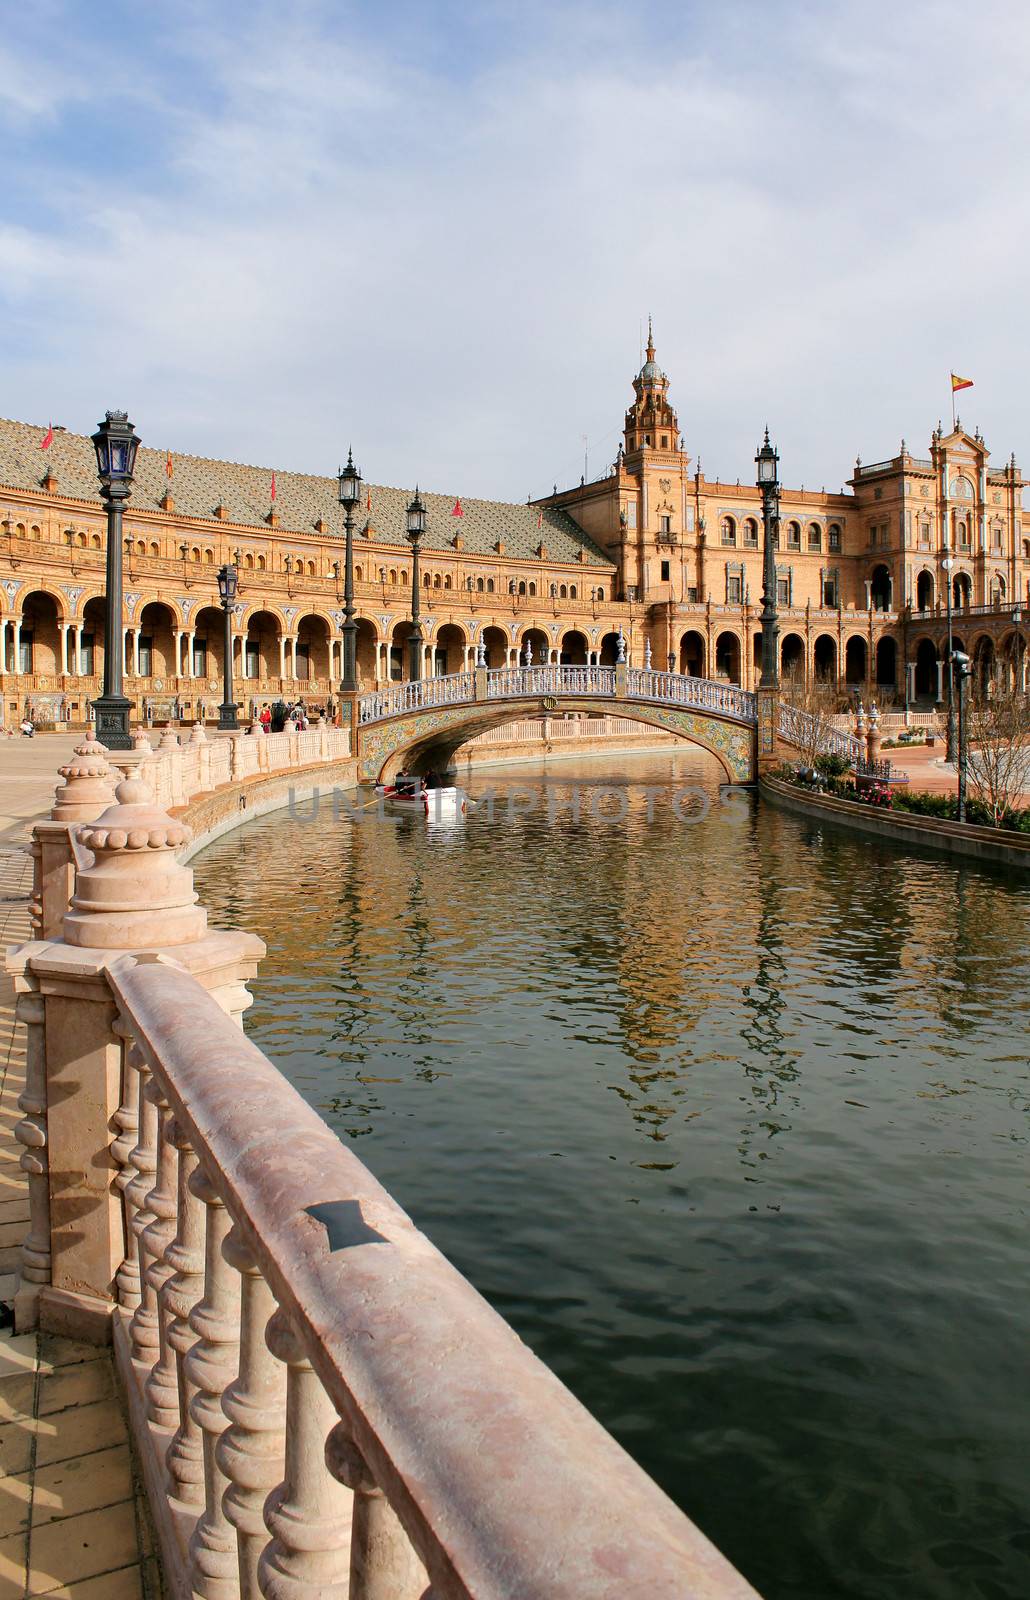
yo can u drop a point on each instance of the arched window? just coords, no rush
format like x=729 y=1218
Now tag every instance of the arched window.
x=815 y=536
x=95 y=542
x=751 y=532
x=480 y=586
x=600 y=592
x=447 y=582
x=358 y=574
x=248 y=561
x=81 y=541
x=962 y=533
x=436 y=581
x=427 y=582
x=141 y=548
x=489 y=586
x=393 y=576
x=36 y=532
x=532 y=588
x=834 y=536
x=311 y=569
x=261 y=563
x=728 y=529
x=155 y=548
x=195 y=554
x=522 y=588
x=793 y=536
x=209 y=558
x=563 y=592
x=572 y=592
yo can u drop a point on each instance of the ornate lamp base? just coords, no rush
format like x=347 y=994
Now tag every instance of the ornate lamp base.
x=112 y=719
x=227 y=716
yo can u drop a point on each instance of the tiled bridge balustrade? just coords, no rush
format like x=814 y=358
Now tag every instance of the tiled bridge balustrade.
x=322 y=1405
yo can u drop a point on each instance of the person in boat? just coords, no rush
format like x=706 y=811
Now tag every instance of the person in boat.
x=407 y=783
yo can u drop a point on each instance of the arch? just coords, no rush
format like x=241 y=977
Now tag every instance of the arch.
x=312 y=648
x=521 y=588
x=532 y=591
x=261 y=563
x=856 y=659
x=563 y=592
x=793 y=535
x=248 y=561
x=926 y=680
x=880 y=588
x=92 y=635
x=961 y=590
x=925 y=590
x=95 y=542
x=727 y=656
x=449 y=647
x=573 y=592
x=365 y=652
x=262 y=630
x=495 y=641
x=824 y=658
x=792 y=658
x=436 y=580
x=998 y=588
x=833 y=537
x=887 y=663
x=815 y=536
x=984 y=663
x=40 y=652
x=258 y=608
x=608 y=652
x=574 y=648
x=692 y=654
x=480 y=585
x=209 y=644
x=155 y=623
x=728 y=530
x=751 y=532
x=538 y=643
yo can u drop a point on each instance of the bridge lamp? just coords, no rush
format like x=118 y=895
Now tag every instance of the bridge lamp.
x=415 y=519
x=963 y=668
x=116 y=444
x=767 y=465
x=228 y=584
x=350 y=487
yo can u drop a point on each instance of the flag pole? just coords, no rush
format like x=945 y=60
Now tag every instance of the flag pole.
x=953 y=423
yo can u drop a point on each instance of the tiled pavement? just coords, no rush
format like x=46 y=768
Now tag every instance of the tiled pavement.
x=72 y=1518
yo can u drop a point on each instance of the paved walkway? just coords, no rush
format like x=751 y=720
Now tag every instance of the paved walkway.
x=73 y=1521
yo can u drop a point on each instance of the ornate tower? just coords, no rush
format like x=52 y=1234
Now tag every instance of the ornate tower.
x=650 y=421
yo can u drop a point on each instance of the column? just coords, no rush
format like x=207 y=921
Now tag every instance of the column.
x=63 y=668
x=282 y=655
x=380 y=647
x=17 y=645
x=135 y=652
x=190 y=637
x=75 y=649
x=178 y=636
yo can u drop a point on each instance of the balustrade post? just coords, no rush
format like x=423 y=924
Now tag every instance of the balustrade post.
x=160 y=1389
x=31 y=1132
x=143 y=1328
x=182 y=1290
x=251 y=1451
x=383 y=1561
x=309 y=1514
x=126 y=1120
x=210 y=1367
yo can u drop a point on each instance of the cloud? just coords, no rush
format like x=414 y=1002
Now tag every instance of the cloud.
x=435 y=233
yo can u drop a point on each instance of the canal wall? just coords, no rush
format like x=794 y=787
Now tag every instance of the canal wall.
x=997 y=845
x=560 y=739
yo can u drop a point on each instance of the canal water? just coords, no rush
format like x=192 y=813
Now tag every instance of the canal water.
x=725 y=1112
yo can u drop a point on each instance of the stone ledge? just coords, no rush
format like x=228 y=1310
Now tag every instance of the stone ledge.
x=217 y=811
x=934 y=833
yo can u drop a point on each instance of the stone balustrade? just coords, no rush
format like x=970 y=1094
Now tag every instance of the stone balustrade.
x=322 y=1406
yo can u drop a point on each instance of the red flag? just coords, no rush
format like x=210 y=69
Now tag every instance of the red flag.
x=169 y=469
x=273 y=485
x=457 y=512
x=47 y=439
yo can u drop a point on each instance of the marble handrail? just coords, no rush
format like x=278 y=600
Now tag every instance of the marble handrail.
x=330 y=1349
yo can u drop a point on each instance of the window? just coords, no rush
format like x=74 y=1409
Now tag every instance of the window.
x=489 y=586
x=665 y=441
x=303 y=653
x=924 y=535
x=728 y=530
x=815 y=536
x=793 y=536
x=427 y=582
x=834 y=538
x=261 y=563
x=996 y=536
x=751 y=532
x=692 y=595
x=532 y=588
x=87 y=652
x=573 y=592
x=480 y=585
x=25 y=653
x=783 y=591
x=665 y=571
x=200 y=659
x=733 y=591
x=563 y=592
x=522 y=588
x=396 y=663
x=446 y=582
x=631 y=514
x=146 y=655
x=647 y=439
x=250 y=658
x=829 y=591
x=963 y=535
x=665 y=524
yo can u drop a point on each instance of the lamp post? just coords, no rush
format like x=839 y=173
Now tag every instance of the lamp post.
x=947 y=564
x=416 y=523
x=115 y=443
x=767 y=462
x=963 y=668
x=1017 y=621
x=349 y=479
x=228 y=583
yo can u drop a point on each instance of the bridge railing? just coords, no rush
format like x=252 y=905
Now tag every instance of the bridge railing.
x=512 y=683
x=808 y=732
x=678 y=689
x=416 y=695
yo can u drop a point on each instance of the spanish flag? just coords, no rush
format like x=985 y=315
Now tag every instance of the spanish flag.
x=960 y=383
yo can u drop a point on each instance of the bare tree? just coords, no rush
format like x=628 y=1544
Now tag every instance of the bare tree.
x=811 y=715
x=998 y=731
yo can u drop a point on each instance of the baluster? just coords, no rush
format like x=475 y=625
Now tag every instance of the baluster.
x=138 y=1190
x=31 y=1132
x=126 y=1120
x=251 y=1450
x=309 y=1515
x=383 y=1562
x=210 y=1367
x=185 y=1256
x=162 y=1396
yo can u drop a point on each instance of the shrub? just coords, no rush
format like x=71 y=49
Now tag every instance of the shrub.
x=832 y=766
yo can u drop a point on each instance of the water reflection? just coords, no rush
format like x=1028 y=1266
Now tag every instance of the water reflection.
x=729 y=1120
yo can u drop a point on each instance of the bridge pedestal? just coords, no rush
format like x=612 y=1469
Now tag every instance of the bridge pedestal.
x=767 y=752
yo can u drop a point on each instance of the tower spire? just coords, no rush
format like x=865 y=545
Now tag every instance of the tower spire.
x=650 y=339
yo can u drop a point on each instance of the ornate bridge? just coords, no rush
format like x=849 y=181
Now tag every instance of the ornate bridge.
x=399 y=724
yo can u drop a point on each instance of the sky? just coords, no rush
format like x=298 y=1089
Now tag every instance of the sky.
x=434 y=231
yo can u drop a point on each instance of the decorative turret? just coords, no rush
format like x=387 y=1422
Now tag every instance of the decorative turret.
x=651 y=422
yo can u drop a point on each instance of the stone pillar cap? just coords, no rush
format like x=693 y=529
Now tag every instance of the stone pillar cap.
x=88 y=785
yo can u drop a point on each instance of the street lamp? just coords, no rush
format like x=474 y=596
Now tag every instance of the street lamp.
x=963 y=667
x=228 y=582
x=115 y=443
x=349 y=479
x=1017 y=620
x=947 y=564
x=416 y=526
x=767 y=462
